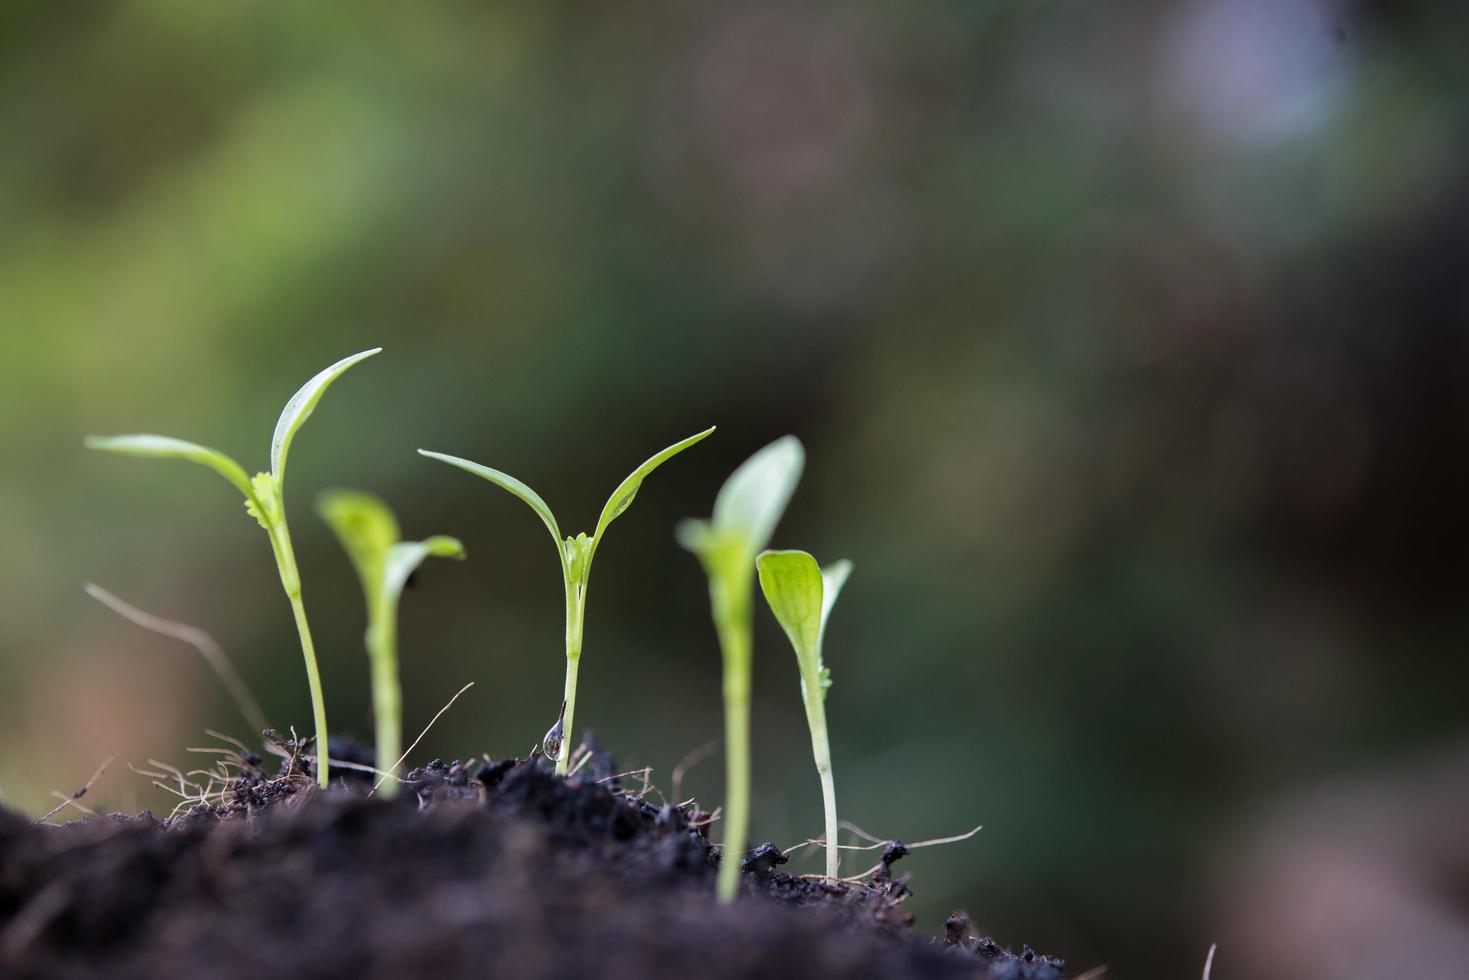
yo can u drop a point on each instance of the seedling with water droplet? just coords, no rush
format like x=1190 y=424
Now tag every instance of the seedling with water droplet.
x=748 y=507
x=555 y=739
x=369 y=533
x=265 y=501
x=575 y=554
x=801 y=595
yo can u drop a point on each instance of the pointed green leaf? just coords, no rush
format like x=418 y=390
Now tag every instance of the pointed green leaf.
x=833 y=577
x=752 y=500
x=300 y=407
x=628 y=489
x=508 y=482
x=406 y=556
x=164 y=447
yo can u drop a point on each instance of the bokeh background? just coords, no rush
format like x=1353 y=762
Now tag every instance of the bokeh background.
x=1127 y=342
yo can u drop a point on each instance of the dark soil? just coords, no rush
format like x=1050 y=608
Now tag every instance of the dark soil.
x=481 y=870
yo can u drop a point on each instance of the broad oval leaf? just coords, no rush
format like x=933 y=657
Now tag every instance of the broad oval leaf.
x=300 y=407
x=793 y=586
x=628 y=488
x=753 y=499
x=801 y=596
x=406 y=556
x=367 y=530
x=508 y=482
x=166 y=447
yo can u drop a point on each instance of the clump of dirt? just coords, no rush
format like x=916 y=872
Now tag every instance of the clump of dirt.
x=483 y=869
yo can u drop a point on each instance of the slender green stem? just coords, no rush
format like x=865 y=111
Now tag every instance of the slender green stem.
x=821 y=752
x=732 y=619
x=387 y=696
x=573 y=661
x=285 y=558
x=576 y=607
x=313 y=680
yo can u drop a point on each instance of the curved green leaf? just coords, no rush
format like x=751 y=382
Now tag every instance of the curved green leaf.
x=300 y=407
x=406 y=556
x=833 y=577
x=508 y=482
x=628 y=488
x=165 y=447
x=367 y=530
x=753 y=499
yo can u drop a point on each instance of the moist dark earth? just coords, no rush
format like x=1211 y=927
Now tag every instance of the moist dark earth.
x=483 y=869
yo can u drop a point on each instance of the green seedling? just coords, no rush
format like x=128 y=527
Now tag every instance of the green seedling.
x=264 y=501
x=576 y=568
x=369 y=533
x=748 y=507
x=801 y=596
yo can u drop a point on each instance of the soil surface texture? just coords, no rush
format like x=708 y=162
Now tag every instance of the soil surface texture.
x=486 y=869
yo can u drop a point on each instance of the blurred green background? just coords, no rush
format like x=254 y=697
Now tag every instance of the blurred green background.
x=1127 y=343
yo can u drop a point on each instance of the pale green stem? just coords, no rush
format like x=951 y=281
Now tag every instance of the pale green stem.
x=576 y=607
x=387 y=696
x=821 y=752
x=732 y=619
x=285 y=556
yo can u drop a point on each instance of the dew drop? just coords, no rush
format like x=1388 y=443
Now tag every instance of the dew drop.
x=551 y=744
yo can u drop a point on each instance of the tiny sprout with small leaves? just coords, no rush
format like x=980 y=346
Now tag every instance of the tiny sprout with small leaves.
x=369 y=533
x=265 y=501
x=801 y=596
x=748 y=507
x=576 y=565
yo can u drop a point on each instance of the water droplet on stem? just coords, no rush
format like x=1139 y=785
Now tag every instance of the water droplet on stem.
x=551 y=744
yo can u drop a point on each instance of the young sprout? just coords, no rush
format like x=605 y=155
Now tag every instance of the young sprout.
x=745 y=514
x=576 y=568
x=801 y=596
x=264 y=501
x=369 y=533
